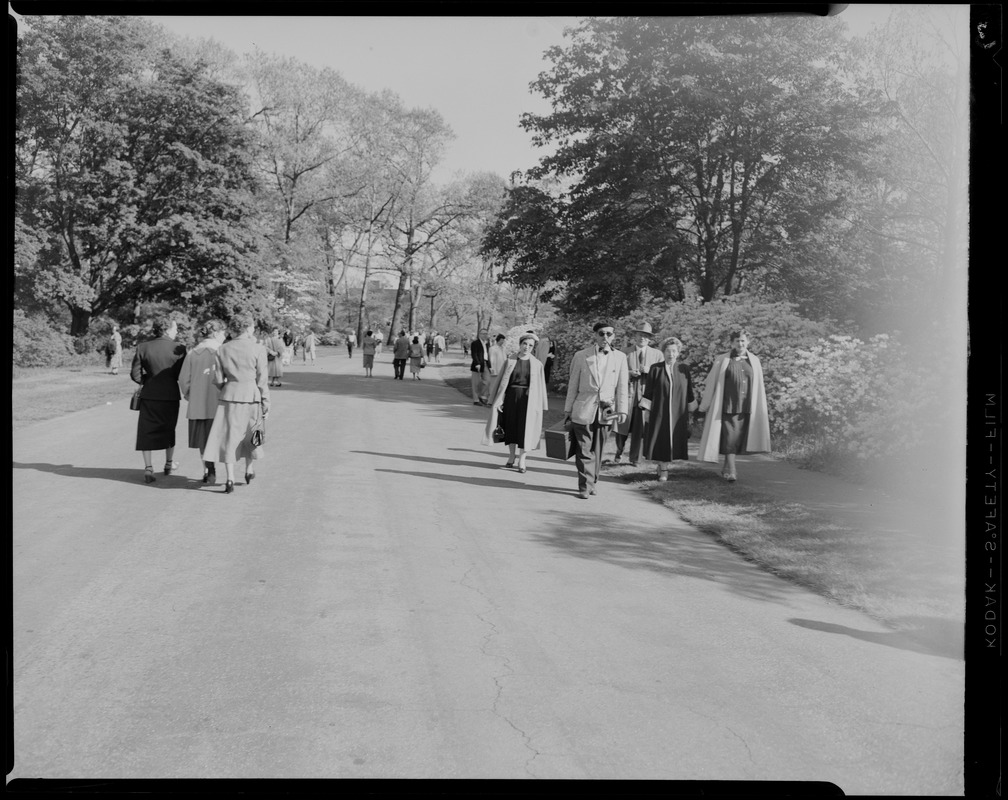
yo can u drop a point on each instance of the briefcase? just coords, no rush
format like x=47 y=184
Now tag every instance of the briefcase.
x=557 y=444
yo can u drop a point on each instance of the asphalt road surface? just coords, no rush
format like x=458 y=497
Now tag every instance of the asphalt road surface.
x=385 y=600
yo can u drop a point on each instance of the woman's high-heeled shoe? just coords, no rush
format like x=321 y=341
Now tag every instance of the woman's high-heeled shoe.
x=170 y=467
x=149 y=475
x=228 y=487
x=249 y=476
x=510 y=463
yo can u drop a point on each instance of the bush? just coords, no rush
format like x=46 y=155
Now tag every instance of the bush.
x=36 y=344
x=332 y=338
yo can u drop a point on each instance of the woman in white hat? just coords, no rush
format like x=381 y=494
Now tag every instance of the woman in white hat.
x=518 y=400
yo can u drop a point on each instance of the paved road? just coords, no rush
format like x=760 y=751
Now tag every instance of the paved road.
x=386 y=601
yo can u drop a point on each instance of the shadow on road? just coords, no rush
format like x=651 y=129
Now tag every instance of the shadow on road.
x=532 y=463
x=518 y=483
x=113 y=474
x=650 y=546
x=930 y=635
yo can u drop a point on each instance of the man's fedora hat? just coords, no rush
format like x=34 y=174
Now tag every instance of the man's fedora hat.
x=644 y=327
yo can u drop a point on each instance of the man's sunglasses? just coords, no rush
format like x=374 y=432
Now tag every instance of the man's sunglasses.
x=606 y=333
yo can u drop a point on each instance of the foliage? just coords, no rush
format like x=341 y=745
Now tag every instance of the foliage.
x=332 y=338
x=36 y=344
x=682 y=138
x=132 y=169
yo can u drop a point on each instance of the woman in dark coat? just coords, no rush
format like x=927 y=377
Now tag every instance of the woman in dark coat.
x=156 y=366
x=668 y=399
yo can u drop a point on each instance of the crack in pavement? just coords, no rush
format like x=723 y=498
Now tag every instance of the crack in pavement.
x=497 y=679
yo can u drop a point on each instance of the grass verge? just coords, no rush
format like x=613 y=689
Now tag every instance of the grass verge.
x=894 y=578
x=39 y=393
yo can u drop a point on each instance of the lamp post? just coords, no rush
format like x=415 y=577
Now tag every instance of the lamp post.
x=431 y=296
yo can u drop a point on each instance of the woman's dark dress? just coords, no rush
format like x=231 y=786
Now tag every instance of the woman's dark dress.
x=516 y=403
x=737 y=406
x=667 y=436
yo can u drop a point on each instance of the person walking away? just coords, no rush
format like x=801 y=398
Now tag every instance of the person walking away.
x=640 y=357
x=351 y=343
x=274 y=353
x=241 y=370
x=479 y=368
x=545 y=352
x=665 y=406
x=308 y=347
x=368 y=347
x=429 y=345
x=464 y=345
x=156 y=366
x=416 y=357
x=735 y=403
x=519 y=400
x=596 y=397
x=113 y=351
x=400 y=352
x=440 y=345
x=288 y=351
x=196 y=381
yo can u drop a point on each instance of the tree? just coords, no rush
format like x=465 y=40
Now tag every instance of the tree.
x=681 y=137
x=132 y=171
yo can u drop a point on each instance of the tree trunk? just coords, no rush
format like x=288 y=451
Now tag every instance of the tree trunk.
x=79 y=319
x=397 y=311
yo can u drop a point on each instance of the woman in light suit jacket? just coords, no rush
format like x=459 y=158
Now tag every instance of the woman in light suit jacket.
x=242 y=374
x=518 y=400
x=196 y=380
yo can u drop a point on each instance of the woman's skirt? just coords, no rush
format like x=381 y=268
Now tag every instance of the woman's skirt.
x=414 y=364
x=229 y=440
x=115 y=360
x=515 y=410
x=156 y=424
x=199 y=430
x=368 y=360
x=734 y=432
x=275 y=368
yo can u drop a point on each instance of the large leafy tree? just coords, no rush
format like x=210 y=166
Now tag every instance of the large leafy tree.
x=682 y=140
x=133 y=173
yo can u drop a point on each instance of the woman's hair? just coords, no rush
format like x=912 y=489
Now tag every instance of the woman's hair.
x=500 y=337
x=368 y=332
x=210 y=327
x=161 y=324
x=739 y=334
x=528 y=335
x=416 y=340
x=239 y=323
x=671 y=340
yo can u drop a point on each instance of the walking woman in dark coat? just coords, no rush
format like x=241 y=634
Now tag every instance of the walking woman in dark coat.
x=668 y=399
x=156 y=366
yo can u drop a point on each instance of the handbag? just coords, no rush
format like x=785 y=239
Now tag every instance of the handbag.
x=135 y=400
x=423 y=363
x=498 y=435
x=258 y=437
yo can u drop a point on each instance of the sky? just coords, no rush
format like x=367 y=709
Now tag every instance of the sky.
x=474 y=70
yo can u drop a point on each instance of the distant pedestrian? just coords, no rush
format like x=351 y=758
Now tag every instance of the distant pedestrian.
x=241 y=373
x=665 y=405
x=440 y=346
x=465 y=346
x=274 y=352
x=196 y=380
x=498 y=355
x=156 y=366
x=288 y=351
x=351 y=343
x=518 y=400
x=429 y=345
x=479 y=369
x=400 y=352
x=735 y=402
x=113 y=351
x=596 y=398
x=308 y=347
x=368 y=347
x=545 y=352
x=416 y=357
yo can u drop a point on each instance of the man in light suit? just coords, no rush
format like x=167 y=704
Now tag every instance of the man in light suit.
x=596 y=397
x=640 y=357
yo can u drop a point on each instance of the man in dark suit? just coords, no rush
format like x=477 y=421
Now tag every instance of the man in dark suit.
x=156 y=367
x=480 y=367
